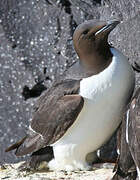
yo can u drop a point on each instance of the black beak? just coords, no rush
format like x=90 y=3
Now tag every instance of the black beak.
x=108 y=27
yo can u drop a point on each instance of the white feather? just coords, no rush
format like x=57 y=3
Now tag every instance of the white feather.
x=127 y=123
x=138 y=171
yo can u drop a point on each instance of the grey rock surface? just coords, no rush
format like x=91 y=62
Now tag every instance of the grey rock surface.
x=35 y=34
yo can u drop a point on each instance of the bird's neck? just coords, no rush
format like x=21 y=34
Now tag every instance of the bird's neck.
x=96 y=61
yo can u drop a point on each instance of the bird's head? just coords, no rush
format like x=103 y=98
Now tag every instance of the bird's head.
x=91 y=39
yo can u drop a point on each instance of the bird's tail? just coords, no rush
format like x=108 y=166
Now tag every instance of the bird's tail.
x=29 y=144
x=16 y=145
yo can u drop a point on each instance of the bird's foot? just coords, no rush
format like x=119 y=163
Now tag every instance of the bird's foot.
x=25 y=167
x=31 y=166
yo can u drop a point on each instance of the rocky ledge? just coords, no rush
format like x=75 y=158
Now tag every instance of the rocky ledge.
x=99 y=172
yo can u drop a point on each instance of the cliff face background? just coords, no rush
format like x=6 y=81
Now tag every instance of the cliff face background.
x=36 y=36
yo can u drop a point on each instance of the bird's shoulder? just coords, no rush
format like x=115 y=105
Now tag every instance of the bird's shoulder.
x=58 y=90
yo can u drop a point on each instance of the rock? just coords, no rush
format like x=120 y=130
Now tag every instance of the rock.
x=10 y=172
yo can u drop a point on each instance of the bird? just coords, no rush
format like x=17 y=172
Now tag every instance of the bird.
x=128 y=164
x=133 y=129
x=83 y=108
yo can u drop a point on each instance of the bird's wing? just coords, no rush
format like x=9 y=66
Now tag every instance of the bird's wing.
x=129 y=140
x=55 y=113
x=134 y=128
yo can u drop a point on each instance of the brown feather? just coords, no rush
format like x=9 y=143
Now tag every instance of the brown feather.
x=16 y=145
x=31 y=144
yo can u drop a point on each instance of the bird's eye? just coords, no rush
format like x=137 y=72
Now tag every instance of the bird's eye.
x=85 y=32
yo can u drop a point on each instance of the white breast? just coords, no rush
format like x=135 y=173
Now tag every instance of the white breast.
x=105 y=96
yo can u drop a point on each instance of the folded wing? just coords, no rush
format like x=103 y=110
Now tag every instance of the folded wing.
x=56 y=111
